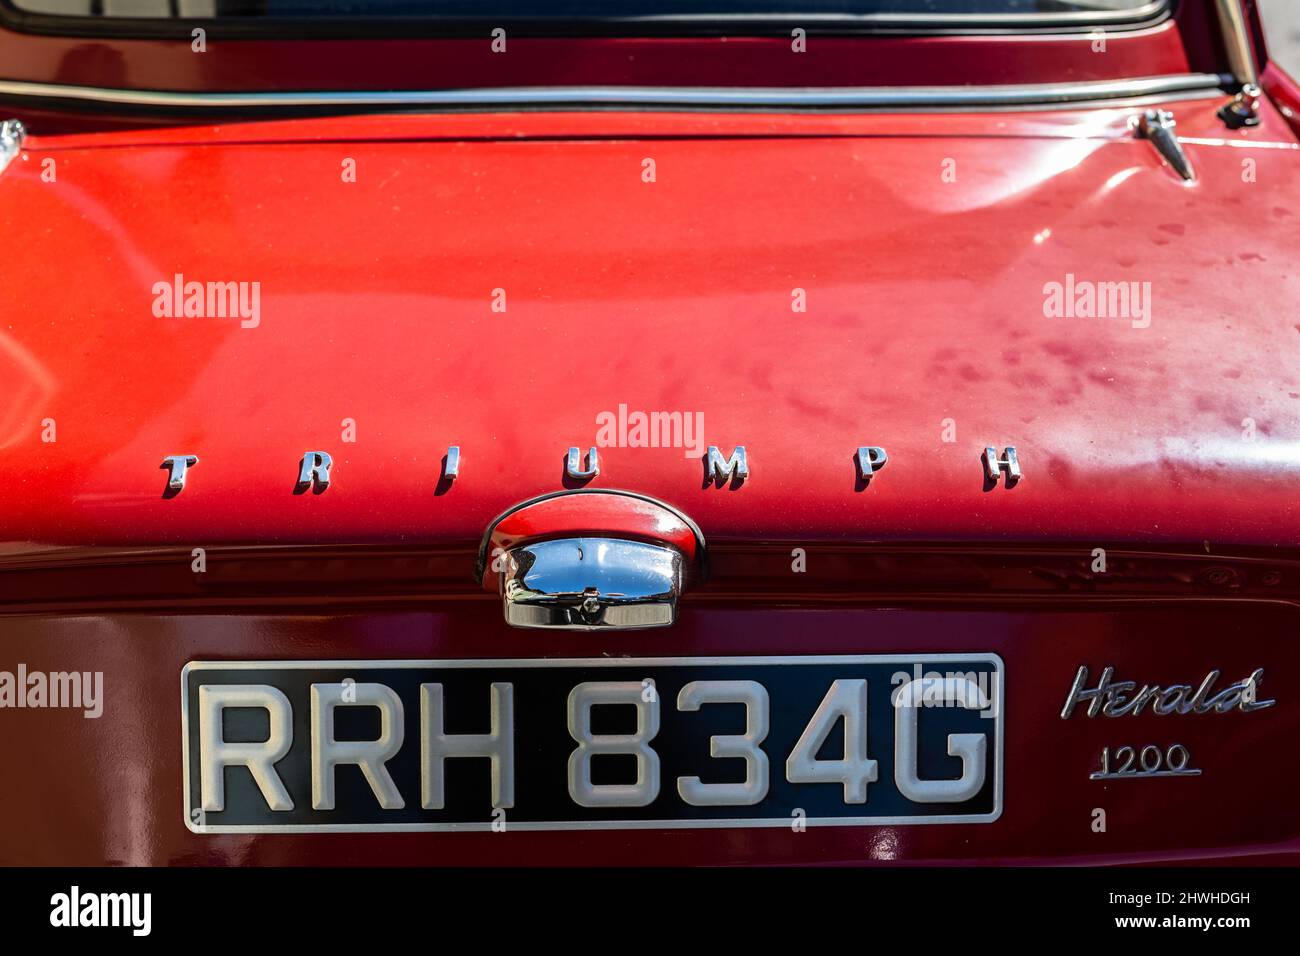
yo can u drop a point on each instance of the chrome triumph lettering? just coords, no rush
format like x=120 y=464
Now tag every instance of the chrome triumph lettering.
x=1113 y=698
x=314 y=468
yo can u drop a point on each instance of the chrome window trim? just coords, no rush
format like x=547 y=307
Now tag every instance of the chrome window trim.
x=907 y=21
x=1146 y=15
x=636 y=97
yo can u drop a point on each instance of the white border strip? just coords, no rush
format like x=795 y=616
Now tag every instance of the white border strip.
x=990 y=658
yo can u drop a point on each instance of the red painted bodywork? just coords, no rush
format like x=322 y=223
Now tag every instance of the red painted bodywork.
x=924 y=304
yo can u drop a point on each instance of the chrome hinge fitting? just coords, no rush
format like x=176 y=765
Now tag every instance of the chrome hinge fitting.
x=1243 y=109
x=12 y=134
x=1157 y=126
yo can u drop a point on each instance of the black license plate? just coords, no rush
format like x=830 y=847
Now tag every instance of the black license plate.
x=592 y=743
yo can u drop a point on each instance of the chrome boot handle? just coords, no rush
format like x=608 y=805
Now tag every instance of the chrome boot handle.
x=591 y=583
x=591 y=560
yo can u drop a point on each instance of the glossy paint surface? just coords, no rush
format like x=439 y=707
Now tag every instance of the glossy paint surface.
x=925 y=321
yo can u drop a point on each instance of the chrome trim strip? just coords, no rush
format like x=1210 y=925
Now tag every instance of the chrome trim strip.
x=12 y=134
x=995 y=660
x=844 y=97
x=1236 y=38
x=907 y=21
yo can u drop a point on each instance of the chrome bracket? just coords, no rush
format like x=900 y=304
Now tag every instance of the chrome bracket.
x=12 y=134
x=1243 y=109
x=1157 y=126
x=1236 y=40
